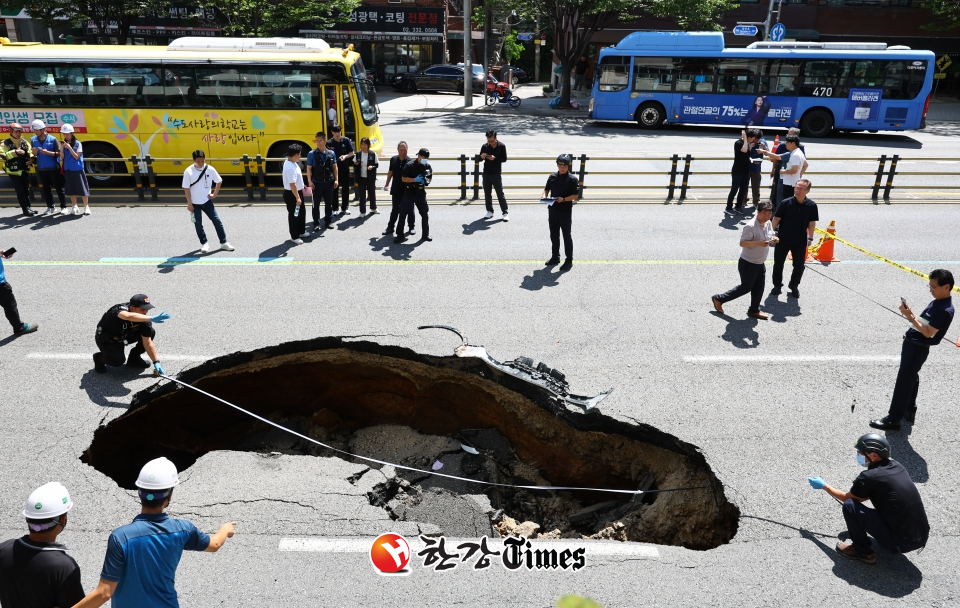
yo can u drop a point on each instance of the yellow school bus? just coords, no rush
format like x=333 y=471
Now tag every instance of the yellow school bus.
x=225 y=96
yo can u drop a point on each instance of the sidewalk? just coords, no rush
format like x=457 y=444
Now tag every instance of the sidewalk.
x=534 y=103
x=946 y=109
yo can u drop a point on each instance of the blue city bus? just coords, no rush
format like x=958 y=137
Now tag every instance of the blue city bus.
x=689 y=77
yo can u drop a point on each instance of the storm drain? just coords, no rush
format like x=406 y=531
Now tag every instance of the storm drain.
x=467 y=416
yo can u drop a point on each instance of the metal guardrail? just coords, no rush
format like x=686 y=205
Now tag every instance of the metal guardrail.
x=676 y=184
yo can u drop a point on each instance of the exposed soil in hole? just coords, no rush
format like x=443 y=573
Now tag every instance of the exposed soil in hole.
x=396 y=405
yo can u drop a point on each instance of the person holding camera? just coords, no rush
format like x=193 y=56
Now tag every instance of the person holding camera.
x=755 y=242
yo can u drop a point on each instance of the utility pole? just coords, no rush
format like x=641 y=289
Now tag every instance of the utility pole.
x=487 y=32
x=467 y=52
x=536 y=52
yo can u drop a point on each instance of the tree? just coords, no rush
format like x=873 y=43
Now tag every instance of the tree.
x=263 y=18
x=946 y=14
x=105 y=14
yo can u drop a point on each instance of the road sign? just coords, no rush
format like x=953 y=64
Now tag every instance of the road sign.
x=778 y=32
x=745 y=30
x=943 y=63
x=524 y=37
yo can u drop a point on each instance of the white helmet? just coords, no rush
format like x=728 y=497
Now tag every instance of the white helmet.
x=37 y=125
x=67 y=128
x=158 y=474
x=49 y=500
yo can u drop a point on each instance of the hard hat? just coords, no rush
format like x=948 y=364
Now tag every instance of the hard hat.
x=16 y=126
x=564 y=159
x=872 y=442
x=158 y=474
x=37 y=125
x=49 y=500
x=67 y=128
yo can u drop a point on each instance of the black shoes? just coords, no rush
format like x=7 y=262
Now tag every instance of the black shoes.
x=137 y=362
x=426 y=238
x=552 y=262
x=885 y=424
x=776 y=290
x=387 y=231
x=400 y=239
x=27 y=328
x=98 y=363
x=911 y=415
x=794 y=293
x=567 y=264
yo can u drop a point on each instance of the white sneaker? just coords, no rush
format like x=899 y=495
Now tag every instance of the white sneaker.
x=297 y=241
x=488 y=215
x=506 y=217
x=86 y=210
x=76 y=210
x=227 y=247
x=59 y=211
x=205 y=248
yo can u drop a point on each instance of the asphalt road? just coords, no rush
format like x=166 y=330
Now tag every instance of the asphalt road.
x=768 y=402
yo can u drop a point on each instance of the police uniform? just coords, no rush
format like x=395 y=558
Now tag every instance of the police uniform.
x=322 y=164
x=113 y=334
x=415 y=194
x=561 y=214
x=397 y=191
x=17 y=167
x=344 y=146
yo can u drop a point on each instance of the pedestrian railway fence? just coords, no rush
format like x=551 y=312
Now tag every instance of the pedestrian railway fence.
x=668 y=179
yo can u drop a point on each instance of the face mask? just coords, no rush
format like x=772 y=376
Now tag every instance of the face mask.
x=861 y=460
x=425 y=162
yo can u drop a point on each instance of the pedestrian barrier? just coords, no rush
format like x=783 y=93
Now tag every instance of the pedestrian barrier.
x=668 y=179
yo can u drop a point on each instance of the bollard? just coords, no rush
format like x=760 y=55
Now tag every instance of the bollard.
x=890 y=174
x=583 y=172
x=248 y=176
x=463 y=177
x=876 y=182
x=673 y=176
x=476 y=177
x=686 y=177
x=152 y=178
x=137 y=177
x=261 y=178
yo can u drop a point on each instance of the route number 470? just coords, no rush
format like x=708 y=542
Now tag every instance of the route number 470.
x=823 y=92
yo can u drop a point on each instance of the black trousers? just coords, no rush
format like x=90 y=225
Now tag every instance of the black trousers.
x=560 y=217
x=21 y=185
x=912 y=358
x=494 y=182
x=799 y=251
x=367 y=188
x=755 y=178
x=414 y=198
x=396 y=204
x=296 y=224
x=785 y=191
x=740 y=184
x=752 y=279
x=343 y=178
x=114 y=351
x=862 y=520
x=50 y=179
x=323 y=191
x=9 y=304
x=775 y=192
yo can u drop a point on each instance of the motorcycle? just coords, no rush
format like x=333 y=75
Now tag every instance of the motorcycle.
x=499 y=92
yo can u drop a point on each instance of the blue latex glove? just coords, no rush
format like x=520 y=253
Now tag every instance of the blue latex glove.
x=158 y=370
x=160 y=318
x=816 y=483
x=419 y=179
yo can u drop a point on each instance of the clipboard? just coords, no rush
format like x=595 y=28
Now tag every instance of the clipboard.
x=548 y=201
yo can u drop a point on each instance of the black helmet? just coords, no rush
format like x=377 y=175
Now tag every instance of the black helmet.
x=871 y=442
x=565 y=159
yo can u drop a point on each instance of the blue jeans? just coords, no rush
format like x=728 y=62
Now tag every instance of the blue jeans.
x=211 y=211
x=863 y=520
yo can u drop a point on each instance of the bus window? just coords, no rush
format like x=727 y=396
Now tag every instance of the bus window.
x=737 y=76
x=614 y=73
x=279 y=88
x=869 y=74
x=916 y=73
x=349 y=123
x=180 y=86
x=218 y=87
x=825 y=78
x=781 y=77
x=696 y=75
x=366 y=93
x=652 y=74
x=894 y=81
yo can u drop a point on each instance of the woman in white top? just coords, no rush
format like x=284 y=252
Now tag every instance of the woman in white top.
x=366 y=164
x=293 y=194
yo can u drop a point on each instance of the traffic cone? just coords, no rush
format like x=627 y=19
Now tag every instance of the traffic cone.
x=825 y=250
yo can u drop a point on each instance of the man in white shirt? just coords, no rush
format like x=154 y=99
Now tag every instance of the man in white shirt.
x=755 y=241
x=796 y=165
x=197 y=180
x=293 y=194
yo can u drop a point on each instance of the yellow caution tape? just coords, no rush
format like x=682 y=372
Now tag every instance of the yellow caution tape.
x=826 y=234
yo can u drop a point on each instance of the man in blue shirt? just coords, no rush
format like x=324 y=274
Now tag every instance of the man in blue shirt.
x=9 y=302
x=322 y=178
x=46 y=151
x=142 y=557
x=926 y=329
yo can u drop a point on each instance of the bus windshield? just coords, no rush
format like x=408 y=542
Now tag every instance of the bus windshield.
x=366 y=93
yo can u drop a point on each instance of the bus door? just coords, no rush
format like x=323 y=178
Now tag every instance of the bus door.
x=339 y=109
x=612 y=97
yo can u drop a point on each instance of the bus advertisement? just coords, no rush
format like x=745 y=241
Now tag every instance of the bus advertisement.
x=658 y=78
x=229 y=97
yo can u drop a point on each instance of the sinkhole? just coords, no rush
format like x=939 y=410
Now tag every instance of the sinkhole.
x=466 y=415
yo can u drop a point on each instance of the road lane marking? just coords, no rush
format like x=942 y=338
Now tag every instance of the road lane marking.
x=88 y=356
x=791 y=359
x=362 y=545
x=385 y=262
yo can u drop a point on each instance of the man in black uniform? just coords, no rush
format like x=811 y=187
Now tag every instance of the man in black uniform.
x=564 y=189
x=494 y=154
x=128 y=324
x=394 y=184
x=35 y=570
x=898 y=520
x=322 y=173
x=416 y=175
x=343 y=148
x=795 y=222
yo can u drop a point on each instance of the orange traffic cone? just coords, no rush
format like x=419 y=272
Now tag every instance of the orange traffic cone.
x=825 y=252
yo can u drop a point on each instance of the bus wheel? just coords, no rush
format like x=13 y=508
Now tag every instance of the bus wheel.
x=99 y=171
x=816 y=123
x=650 y=115
x=279 y=150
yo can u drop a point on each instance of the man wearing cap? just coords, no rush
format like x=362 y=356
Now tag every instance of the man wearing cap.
x=9 y=302
x=197 y=180
x=897 y=521
x=142 y=557
x=128 y=324
x=343 y=149
x=46 y=153
x=17 y=155
x=564 y=189
x=35 y=570
x=416 y=175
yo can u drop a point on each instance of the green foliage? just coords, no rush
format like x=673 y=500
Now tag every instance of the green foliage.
x=264 y=18
x=512 y=47
x=103 y=13
x=575 y=601
x=946 y=14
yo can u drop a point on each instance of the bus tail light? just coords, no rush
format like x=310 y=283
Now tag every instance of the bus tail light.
x=926 y=106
